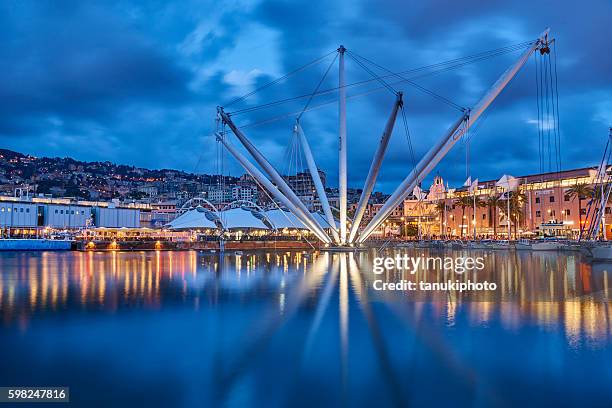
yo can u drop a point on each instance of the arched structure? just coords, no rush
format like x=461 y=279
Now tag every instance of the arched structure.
x=195 y=202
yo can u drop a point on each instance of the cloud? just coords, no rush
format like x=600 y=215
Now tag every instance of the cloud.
x=139 y=82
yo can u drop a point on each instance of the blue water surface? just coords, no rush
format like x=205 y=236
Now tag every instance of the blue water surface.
x=272 y=329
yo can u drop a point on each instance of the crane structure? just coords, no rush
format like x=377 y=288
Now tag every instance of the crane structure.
x=339 y=234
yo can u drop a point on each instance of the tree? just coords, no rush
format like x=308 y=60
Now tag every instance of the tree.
x=463 y=202
x=492 y=203
x=479 y=204
x=440 y=210
x=412 y=230
x=580 y=191
x=517 y=202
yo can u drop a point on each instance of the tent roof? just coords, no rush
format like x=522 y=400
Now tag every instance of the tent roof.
x=323 y=221
x=243 y=218
x=192 y=219
x=283 y=219
x=239 y=218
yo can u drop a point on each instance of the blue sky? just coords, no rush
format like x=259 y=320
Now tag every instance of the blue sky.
x=137 y=82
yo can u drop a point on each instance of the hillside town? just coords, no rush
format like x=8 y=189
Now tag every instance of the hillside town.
x=548 y=204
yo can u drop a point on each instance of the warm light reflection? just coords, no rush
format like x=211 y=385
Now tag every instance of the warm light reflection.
x=561 y=293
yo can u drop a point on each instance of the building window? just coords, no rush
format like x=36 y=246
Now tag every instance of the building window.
x=567 y=212
x=61 y=211
x=21 y=209
x=552 y=213
x=537 y=200
x=538 y=213
x=552 y=199
x=27 y=210
x=56 y=211
x=583 y=211
x=566 y=198
x=484 y=216
x=608 y=210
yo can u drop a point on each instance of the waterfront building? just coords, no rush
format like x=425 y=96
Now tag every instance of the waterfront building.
x=26 y=215
x=546 y=204
x=158 y=214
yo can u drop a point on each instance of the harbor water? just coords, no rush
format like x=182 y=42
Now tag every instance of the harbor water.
x=187 y=329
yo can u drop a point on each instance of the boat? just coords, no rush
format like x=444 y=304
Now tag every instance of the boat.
x=476 y=245
x=547 y=244
x=422 y=244
x=452 y=244
x=500 y=244
x=456 y=244
x=523 y=244
x=570 y=246
x=597 y=251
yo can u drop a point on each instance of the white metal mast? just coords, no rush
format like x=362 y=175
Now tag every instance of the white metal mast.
x=374 y=168
x=605 y=188
x=436 y=153
x=342 y=172
x=422 y=169
x=311 y=223
x=316 y=178
x=263 y=180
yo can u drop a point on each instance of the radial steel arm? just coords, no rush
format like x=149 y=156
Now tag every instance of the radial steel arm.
x=263 y=180
x=314 y=173
x=374 y=169
x=276 y=178
x=433 y=157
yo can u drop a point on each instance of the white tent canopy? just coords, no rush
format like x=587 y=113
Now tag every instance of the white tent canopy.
x=236 y=218
x=192 y=219
x=323 y=221
x=240 y=218
x=283 y=219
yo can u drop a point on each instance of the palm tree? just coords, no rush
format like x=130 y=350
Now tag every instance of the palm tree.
x=493 y=202
x=463 y=202
x=440 y=209
x=580 y=191
x=517 y=202
x=479 y=204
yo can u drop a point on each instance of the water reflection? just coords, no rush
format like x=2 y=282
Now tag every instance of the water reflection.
x=545 y=288
x=320 y=309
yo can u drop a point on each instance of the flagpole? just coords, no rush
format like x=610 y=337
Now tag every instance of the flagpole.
x=419 y=221
x=444 y=233
x=474 y=215
x=508 y=201
x=443 y=220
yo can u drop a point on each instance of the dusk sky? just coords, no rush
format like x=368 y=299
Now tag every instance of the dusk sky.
x=137 y=82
